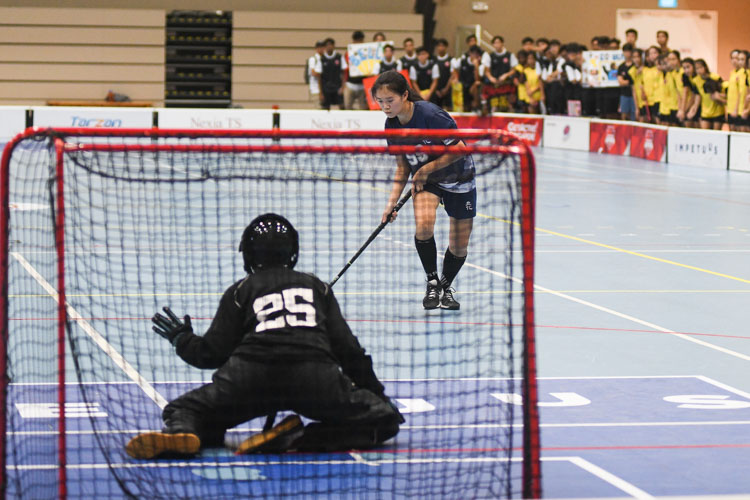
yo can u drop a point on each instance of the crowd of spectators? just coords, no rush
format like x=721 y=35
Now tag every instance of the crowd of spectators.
x=654 y=84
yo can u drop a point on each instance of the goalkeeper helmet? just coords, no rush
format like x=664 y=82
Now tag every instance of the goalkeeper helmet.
x=269 y=241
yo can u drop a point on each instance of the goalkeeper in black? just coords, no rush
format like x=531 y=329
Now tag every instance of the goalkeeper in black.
x=279 y=343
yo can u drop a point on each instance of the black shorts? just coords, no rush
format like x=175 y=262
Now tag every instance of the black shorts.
x=331 y=99
x=670 y=118
x=457 y=205
x=654 y=110
x=735 y=120
x=715 y=119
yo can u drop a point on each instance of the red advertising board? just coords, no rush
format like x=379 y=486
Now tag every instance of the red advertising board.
x=649 y=143
x=528 y=129
x=610 y=138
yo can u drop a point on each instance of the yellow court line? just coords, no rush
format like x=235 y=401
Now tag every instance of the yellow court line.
x=643 y=255
x=622 y=250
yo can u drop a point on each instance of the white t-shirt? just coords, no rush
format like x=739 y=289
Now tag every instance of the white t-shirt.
x=312 y=63
x=487 y=61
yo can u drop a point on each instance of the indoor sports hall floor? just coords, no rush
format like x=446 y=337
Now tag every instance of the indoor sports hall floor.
x=642 y=287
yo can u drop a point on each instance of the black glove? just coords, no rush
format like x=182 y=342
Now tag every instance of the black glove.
x=390 y=402
x=171 y=328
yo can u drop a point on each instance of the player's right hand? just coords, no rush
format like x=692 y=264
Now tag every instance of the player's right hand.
x=389 y=215
x=170 y=327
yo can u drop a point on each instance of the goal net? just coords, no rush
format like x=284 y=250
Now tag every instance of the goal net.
x=100 y=229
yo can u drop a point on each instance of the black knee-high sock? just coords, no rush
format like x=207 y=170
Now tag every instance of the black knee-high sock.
x=451 y=266
x=427 y=251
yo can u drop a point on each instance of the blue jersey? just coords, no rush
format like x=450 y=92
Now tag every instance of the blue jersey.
x=458 y=177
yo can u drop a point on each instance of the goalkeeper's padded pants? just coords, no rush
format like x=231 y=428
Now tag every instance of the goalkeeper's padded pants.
x=346 y=417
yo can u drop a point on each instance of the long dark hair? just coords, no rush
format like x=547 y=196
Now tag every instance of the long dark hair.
x=396 y=83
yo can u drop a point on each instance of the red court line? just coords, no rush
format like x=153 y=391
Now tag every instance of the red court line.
x=443 y=322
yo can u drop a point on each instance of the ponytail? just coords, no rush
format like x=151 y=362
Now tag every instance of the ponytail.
x=396 y=83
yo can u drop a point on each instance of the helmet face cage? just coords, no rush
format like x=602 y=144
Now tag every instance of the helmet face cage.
x=270 y=240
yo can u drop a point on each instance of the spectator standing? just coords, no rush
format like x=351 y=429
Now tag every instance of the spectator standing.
x=469 y=77
x=354 y=91
x=533 y=84
x=631 y=37
x=467 y=67
x=572 y=78
x=627 y=103
x=552 y=76
x=425 y=74
x=736 y=90
x=409 y=58
x=691 y=99
x=527 y=44
x=662 y=38
x=443 y=60
x=639 y=94
x=331 y=72
x=651 y=83
x=312 y=63
x=712 y=102
x=498 y=70
x=378 y=37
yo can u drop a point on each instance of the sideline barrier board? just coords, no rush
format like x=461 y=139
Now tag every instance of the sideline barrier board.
x=739 y=151
x=12 y=121
x=567 y=132
x=610 y=137
x=705 y=148
x=226 y=119
x=70 y=116
x=649 y=142
x=527 y=127
x=312 y=119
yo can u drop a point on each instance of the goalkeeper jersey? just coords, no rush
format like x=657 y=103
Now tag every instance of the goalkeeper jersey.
x=277 y=316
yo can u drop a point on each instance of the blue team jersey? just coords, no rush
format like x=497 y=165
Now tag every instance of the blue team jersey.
x=458 y=177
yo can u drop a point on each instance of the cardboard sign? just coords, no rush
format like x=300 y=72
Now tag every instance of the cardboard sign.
x=364 y=56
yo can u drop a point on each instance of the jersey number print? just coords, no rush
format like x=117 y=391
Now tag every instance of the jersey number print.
x=295 y=301
x=416 y=159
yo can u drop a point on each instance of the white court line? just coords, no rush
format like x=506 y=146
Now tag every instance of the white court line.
x=100 y=341
x=724 y=386
x=610 y=478
x=595 y=470
x=607 y=310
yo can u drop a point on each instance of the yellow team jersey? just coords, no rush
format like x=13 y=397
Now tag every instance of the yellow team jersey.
x=651 y=76
x=637 y=86
x=736 y=91
x=521 y=87
x=671 y=88
x=709 y=107
x=743 y=84
x=532 y=81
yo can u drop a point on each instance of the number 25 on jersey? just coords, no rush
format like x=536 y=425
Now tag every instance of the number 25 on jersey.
x=296 y=302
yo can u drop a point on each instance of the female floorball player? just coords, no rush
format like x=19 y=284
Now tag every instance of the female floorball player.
x=448 y=178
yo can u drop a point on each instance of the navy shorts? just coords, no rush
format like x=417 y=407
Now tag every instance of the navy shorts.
x=457 y=205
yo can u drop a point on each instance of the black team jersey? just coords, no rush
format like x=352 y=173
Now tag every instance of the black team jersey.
x=444 y=66
x=276 y=316
x=407 y=62
x=330 y=77
x=499 y=63
x=466 y=71
x=424 y=74
x=384 y=66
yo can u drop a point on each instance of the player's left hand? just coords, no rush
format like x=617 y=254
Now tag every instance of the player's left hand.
x=170 y=327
